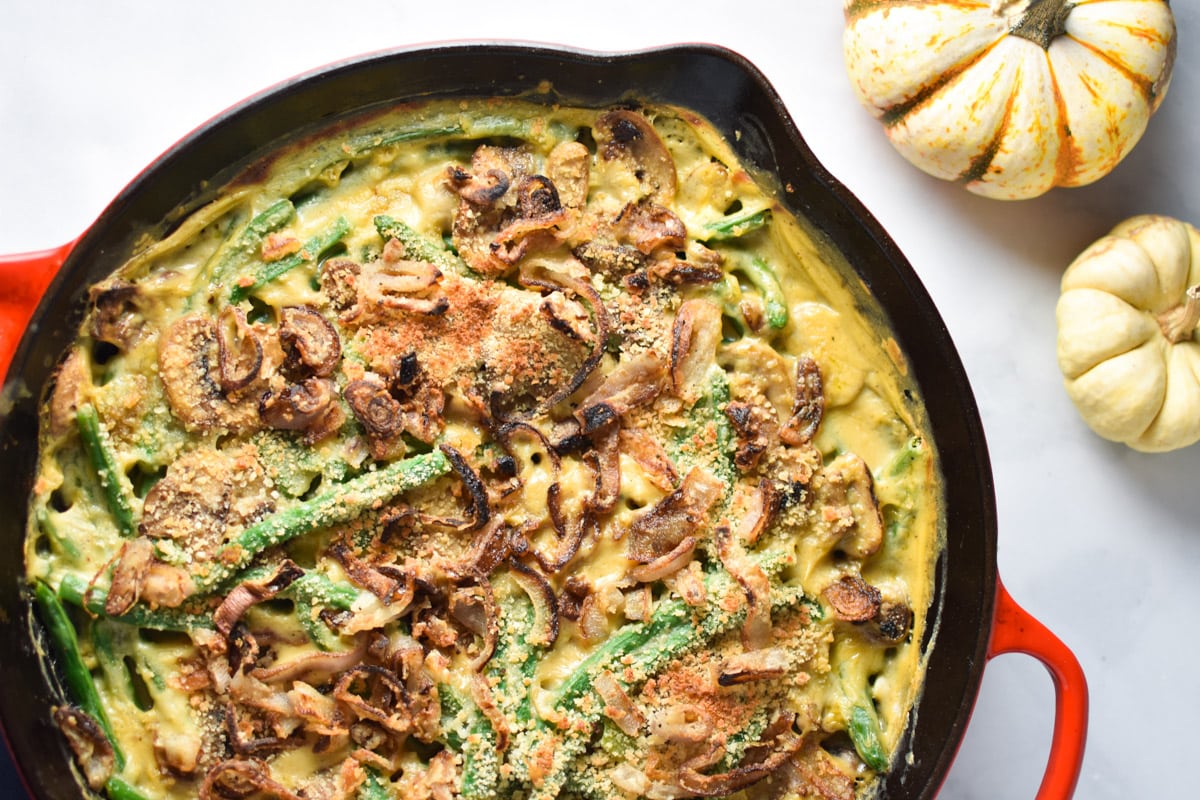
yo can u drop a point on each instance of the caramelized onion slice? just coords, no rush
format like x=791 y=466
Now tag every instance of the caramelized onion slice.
x=481 y=510
x=721 y=784
x=756 y=630
x=680 y=514
x=238 y=778
x=377 y=694
x=651 y=227
x=667 y=564
x=695 y=335
x=545 y=604
x=618 y=706
x=633 y=382
x=248 y=593
x=809 y=407
x=754 y=665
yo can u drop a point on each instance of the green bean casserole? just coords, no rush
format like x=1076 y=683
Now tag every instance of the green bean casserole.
x=485 y=449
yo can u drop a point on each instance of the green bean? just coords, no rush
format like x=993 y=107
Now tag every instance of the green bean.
x=374 y=787
x=913 y=449
x=691 y=446
x=74 y=590
x=78 y=679
x=309 y=590
x=118 y=789
x=340 y=503
x=311 y=251
x=271 y=219
x=419 y=248
x=865 y=734
x=475 y=739
x=763 y=277
x=642 y=650
x=734 y=226
x=116 y=494
x=363 y=144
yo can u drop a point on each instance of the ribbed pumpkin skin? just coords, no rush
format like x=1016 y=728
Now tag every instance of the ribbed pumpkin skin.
x=1131 y=381
x=967 y=93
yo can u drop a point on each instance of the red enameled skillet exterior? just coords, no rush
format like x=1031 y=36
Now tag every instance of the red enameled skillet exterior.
x=976 y=619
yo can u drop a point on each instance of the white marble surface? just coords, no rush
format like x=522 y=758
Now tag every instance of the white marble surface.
x=1095 y=540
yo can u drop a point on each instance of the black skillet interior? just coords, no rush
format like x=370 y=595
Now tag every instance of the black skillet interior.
x=718 y=84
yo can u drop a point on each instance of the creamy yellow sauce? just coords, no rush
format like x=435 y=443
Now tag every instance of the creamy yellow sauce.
x=505 y=293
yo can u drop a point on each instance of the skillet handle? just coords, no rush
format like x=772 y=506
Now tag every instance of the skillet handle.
x=1015 y=631
x=24 y=278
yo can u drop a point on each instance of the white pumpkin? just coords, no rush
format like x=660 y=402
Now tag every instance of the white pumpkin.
x=1011 y=97
x=1127 y=346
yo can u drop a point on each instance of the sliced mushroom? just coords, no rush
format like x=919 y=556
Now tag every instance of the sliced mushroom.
x=116 y=312
x=628 y=137
x=679 y=272
x=612 y=259
x=310 y=406
x=809 y=406
x=310 y=342
x=192 y=503
x=339 y=283
x=538 y=276
x=680 y=514
x=853 y=599
x=755 y=426
x=695 y=336
x=892 y=623
x=93 y=752
x=650 y=227
x=846 y=484
x=189 y=367
x=239 y=351
x=487 y=204
x=70 y=382
x=373 y=405
x=568 y=167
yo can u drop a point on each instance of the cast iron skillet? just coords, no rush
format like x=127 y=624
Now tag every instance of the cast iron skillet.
x=974 y=617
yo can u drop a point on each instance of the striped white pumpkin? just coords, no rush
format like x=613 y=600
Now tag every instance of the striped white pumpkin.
x=1011 y=97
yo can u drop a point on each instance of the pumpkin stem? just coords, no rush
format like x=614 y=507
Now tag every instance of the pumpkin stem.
x=1043 y=21
x=1179 y=323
